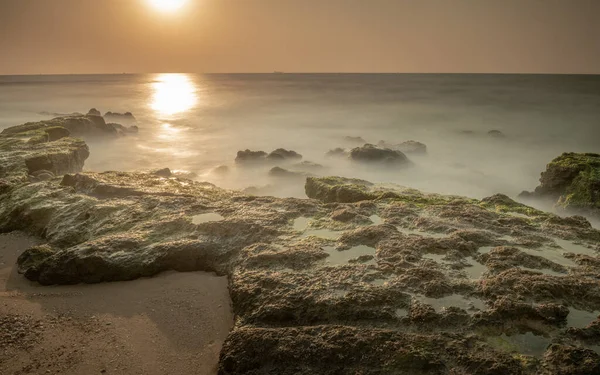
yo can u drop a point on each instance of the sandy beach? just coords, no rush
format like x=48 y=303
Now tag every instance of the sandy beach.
x=174 y=323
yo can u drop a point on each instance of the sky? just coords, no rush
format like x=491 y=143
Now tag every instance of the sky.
x=422 y=36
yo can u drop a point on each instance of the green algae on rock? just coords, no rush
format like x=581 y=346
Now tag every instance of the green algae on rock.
x=572 y=181
x=77 y=125
x=29 y=149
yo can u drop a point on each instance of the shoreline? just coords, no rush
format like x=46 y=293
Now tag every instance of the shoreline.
x=361 y=278
x=136 y=327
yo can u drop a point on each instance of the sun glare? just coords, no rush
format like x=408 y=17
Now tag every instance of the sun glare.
x=167 y=5
x=173 y=94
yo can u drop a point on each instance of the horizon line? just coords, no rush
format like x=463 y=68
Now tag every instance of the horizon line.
x=304 y=73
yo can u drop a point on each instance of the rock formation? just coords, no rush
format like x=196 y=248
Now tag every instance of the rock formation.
x=78 y=126
x=373 y=154
x=572 y=181
x=279 y=155
x=362 y=278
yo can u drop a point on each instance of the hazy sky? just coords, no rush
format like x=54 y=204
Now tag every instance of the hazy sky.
x=103 y=36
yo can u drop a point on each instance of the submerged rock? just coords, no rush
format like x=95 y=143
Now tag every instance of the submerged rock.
x=408 y=147
x=496 y=134
x=337 y=153
x=283 y=154
x=126 y=117
x=94 y=112
x=572 y=181
x=284 y=173
x=247 y=156
x=412 y=147
x=370 y=154
x=275 y=156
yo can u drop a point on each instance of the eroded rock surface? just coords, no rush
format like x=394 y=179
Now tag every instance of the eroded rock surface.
x=38 y=153
x=89 y=125
x=363 y=278
x=572 y=181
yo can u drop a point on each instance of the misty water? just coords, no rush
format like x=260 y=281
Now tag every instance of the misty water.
x=196 y=123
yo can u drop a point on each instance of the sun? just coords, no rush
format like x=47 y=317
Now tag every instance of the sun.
x=167 y=5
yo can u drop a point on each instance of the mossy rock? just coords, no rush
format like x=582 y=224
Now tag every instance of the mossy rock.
x=338 y=189
x=572 y=180
x=30 y=261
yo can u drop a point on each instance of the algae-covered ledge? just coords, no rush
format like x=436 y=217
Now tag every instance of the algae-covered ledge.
x=439 y=284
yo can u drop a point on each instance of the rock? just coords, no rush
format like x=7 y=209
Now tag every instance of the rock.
x=343 y=215
x=283 y=154
x=572 y=181
x=571 y=360
x=335 y=189
x=284 y=173
x=38 y=151
x=408 y=147
x=124 y=130
x=164 y=172
x=94 y=112
x=278 y=155
x=355 y=140
x=57 y=132
x=372 y=154
x=43 y=175
x=31 y=259
x=78 y=126
x=496 y=134
x=337 y=152
x=126 y=117
x=412 y=147
x=437 y=286
x=248 y=156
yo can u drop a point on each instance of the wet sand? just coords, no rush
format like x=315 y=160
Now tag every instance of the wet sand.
x=174 y=323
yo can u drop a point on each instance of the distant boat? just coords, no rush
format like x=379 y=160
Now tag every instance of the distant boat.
x=276 y=72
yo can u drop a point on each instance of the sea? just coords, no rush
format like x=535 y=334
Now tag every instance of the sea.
x=193 y=123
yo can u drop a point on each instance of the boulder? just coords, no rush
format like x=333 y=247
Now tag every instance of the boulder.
x=337 y=153
x=337 y=189
x=78 y=126
x=279 y=155
x=126 y=117
x=283 y=154
x=373 y=154
x=407 y=147
x=248 y=156
x=39 y=152
x=284 y=173
x=572 y=181
x=94 y=112
x=164 y=172
x=412 y=147
x=496 y=134
x=124 y=130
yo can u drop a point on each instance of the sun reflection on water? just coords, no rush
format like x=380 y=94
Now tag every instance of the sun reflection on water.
x=173 y=93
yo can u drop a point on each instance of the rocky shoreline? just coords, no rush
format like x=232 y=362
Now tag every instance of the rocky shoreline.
x=361 y=278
